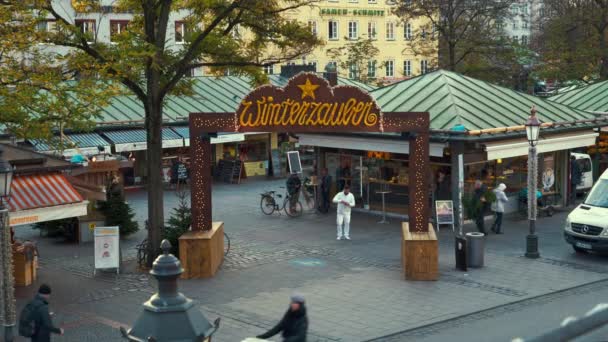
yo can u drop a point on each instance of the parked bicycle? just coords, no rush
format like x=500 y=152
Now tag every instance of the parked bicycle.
x=269 y=203
x=309 y=194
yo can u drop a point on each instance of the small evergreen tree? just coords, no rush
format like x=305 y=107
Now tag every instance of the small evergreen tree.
x=118 y=212
x=179 y=222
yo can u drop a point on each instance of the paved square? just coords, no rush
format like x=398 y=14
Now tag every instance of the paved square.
x=355 y=289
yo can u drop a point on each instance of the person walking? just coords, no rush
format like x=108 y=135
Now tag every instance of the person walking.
x=35 y=320
x=575 y=178
x=345 y=201
x=481 y=203
x=294 y=324
x=498 y=207
x=293 y=186
x=325 y=189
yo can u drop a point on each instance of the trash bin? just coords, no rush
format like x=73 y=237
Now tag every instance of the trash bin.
x=460 y=248
x=475 y=249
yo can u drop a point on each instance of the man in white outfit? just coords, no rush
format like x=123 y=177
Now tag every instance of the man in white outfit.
x=345 y=201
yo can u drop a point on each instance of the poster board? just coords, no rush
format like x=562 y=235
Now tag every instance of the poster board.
x=445 y=212
x=182 y=172
x=107 y=248
x=295 y=165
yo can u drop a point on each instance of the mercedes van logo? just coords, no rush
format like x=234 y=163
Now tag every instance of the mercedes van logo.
x=585 y=229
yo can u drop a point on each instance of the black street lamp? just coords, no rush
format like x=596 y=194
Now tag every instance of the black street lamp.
x=532 y=133
x=168 y=315
x=6 y=252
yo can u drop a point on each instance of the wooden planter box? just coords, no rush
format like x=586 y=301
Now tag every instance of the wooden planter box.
x=419 y=254
x=202 y=252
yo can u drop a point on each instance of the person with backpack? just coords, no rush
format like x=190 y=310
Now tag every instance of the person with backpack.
x=35 y=320
x=498 y=207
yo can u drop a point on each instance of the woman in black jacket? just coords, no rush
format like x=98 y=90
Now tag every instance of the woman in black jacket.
x=294 y=324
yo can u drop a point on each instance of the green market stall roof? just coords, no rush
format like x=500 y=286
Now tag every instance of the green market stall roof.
x=592 y=98
x=212 y=94
x=453 y=99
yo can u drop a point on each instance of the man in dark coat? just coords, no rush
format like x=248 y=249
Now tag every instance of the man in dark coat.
x=481 y=202
x=325 y=189
x=294 y=324
x=293 y=185
x=43 y=324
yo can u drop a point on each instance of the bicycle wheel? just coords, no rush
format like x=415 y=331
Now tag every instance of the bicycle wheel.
x=267 y=205
x=296 y=211
x=226 y=244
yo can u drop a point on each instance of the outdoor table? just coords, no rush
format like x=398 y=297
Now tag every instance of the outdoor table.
x=383 y=193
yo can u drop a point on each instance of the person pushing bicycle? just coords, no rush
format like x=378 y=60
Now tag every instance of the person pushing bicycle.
x=293 y=185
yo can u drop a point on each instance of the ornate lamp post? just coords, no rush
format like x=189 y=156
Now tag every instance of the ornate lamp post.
x=168 y=315
x=532 y=133
x=6 y=253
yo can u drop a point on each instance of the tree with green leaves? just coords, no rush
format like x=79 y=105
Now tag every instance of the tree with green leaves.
x=143 y=61
x=179 y=222
x=40 y=93
x=118 y=212
x=467 y=31
x=358 y=57
x=573 y=41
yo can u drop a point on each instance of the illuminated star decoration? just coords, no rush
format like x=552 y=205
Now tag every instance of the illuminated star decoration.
x=308 y=89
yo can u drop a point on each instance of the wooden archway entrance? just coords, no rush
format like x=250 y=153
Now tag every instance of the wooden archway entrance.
x=306 y=104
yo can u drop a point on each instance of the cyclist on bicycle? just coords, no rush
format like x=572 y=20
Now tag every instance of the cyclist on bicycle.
x=293 y=190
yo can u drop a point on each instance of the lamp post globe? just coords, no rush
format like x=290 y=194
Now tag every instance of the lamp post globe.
x=532 y=134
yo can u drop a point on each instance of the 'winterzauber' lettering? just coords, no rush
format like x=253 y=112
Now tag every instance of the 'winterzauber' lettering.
x=265 y=112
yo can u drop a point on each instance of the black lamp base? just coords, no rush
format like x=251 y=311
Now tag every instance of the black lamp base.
x=532 y=246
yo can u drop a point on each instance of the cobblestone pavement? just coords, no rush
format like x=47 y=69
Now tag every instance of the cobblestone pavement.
x=354 y=289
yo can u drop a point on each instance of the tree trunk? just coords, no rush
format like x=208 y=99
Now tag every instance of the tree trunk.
x=155 y=182
x=452 y=56
x=604 y=55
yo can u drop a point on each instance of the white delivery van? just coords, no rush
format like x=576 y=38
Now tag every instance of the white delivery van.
x=584 y=164
x=587 y=225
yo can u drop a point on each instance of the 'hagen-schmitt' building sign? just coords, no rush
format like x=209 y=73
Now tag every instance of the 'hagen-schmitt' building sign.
x=309 y=101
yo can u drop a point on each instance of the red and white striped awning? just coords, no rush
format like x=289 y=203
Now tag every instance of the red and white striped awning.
x=40 y=191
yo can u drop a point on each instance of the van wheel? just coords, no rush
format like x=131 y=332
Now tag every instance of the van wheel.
x=579 y=250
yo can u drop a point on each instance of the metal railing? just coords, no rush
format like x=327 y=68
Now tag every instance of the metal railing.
x=573 y=327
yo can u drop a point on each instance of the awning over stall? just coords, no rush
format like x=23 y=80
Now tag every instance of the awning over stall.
x=38 y=198
x=519 y=147
x=135 y=139
x=365 y=144
x=86 y=144
x=221 y=137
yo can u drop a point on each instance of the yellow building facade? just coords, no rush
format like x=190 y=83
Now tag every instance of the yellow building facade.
x=339 y=22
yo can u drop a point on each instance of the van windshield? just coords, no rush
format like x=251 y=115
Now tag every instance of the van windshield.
x=599 y=194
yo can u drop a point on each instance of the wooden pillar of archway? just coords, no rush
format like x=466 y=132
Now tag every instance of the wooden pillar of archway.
x=307 y=104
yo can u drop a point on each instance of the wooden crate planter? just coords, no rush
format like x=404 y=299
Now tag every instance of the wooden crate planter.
x=202 y=252
x=419 y=254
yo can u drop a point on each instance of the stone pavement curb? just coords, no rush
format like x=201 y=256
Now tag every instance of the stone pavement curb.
x=429 y=329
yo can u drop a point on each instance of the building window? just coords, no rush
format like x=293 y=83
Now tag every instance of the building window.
x=524 y=40
x=390 y=31
x=180 y=32
x=333 y=30
x=407 y=31
x=314 y=65
x=86 y=26
x=516 y=39
x=424 y=66
x=371 y=30
x=352 y=30
x=524 y=24
x=269 y=69
x=423 y=33
x=312 y=25
x=46 y=26
x=390 y=68
x=352 y=71
x=371 y=69
x=372 y=1
x=117 y=27
x=407 y=68
x=515 y=24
